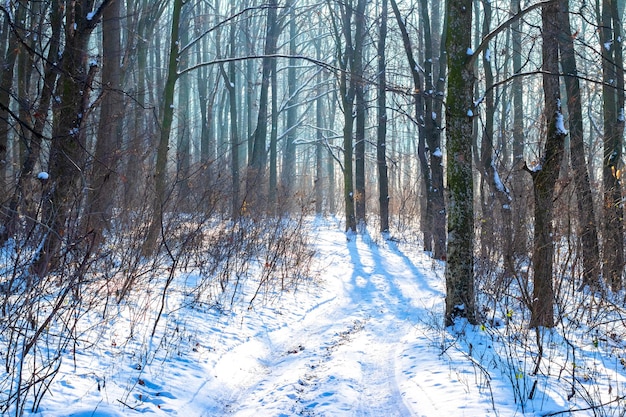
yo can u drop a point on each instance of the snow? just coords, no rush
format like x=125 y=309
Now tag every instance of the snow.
x=469 y=51
x=437 y=153
x=496 y=179
x=363 y=338
x=91 y=15
x=560 y=124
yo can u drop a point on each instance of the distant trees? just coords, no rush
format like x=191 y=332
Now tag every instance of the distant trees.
x=610 y=29
x=245 y=109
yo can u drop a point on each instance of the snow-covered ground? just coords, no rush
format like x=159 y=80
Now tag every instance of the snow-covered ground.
x=363 y=338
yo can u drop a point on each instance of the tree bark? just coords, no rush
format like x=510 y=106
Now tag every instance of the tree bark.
x=460 y=297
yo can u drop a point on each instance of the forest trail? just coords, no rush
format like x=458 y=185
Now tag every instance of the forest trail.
x=344 y=355
x=364 y=338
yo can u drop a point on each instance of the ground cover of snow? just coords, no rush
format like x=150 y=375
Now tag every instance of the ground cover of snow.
x=363 y=338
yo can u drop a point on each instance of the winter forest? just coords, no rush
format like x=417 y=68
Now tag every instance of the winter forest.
x=144 y=142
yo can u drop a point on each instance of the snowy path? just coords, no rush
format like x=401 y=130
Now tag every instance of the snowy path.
x=340 y=356
x=359 y=342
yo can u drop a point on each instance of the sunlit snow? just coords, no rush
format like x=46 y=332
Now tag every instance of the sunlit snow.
x=363 y=338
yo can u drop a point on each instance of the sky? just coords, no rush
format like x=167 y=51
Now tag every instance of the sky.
x=362 y=337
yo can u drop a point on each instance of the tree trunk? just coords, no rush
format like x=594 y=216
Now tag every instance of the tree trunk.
x=381 y=132
x=436 y=210
x=357 y=78
x=489 y=169
x=235 y=146
x=7 y=69
x=158 y=204
x=68 y=148
x=586 y=212
x=546 y=175
x=23 y=198
x=101 y=195
x=460 y=298
x=347 y=86
x=273 y=183
x=289 y=154
x=518 y=182
x=426 y=215
x=258 y=161
x=613 y=232
x=183 y=125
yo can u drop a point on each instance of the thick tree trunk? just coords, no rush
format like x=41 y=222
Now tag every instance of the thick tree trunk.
x=460 y=297
x=183 y=127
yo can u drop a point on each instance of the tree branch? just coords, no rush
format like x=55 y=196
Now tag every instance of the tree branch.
x=485 y=41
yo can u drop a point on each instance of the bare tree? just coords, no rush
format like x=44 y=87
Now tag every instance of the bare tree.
x=68 y=148
x=586 y=211
x=381 y=132
x=613 y=101
x=545 y=175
